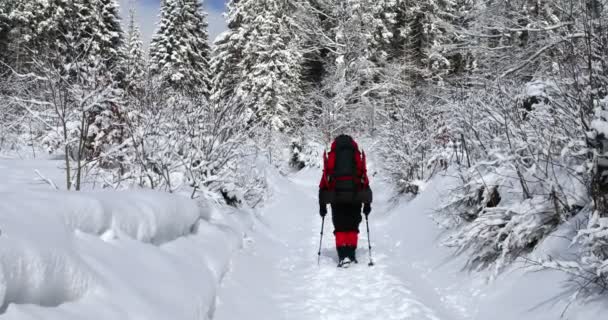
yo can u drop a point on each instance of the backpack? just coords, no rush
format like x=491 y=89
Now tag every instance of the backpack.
x=344 y=174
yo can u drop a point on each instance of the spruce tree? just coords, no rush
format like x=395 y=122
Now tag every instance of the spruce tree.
x=179 y=52
x=227 y=53
x=426 y=34
x=261 y=59
x=360 y=38
x=29 y=29
x=108 y=38
x=135 y=65
x=5 y=28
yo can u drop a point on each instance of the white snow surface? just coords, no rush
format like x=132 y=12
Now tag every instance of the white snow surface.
x=108 y=255
x=276 y=276
x=148 y=255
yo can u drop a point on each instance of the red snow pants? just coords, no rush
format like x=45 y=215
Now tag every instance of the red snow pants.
x=346 y=219
x=347 y=239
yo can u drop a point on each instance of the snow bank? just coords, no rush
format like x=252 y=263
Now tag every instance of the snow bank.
x=518 y=293
x=112 y=255
x=152 y=217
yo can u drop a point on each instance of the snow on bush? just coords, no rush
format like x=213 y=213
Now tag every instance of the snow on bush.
x=415 y=143
x=147 y=216
x=112 y=255
x=305 y=153
x=37 y=260
x=523 y=179
x=589 y=269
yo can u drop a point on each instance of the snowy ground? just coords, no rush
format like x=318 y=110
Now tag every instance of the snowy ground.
x=108 y=255
x=277 y=277
x=147 y=255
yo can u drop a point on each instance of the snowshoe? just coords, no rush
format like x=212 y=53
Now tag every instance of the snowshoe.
x=344 y=263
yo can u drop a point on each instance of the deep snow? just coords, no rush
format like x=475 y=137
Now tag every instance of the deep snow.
x=148 y=255
x=276 y=276
x=108 y=255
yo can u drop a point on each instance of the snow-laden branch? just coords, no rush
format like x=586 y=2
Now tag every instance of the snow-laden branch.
x=502 y=31
x=539 y=53
x=24 y=104
x=47 y=180
x=548 y=28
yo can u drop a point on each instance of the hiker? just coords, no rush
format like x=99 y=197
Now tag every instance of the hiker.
x=345 y=186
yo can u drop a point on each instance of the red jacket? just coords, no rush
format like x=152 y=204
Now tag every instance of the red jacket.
x=329 y=161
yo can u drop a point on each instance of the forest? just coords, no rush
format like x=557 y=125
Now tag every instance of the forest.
x=509 y=97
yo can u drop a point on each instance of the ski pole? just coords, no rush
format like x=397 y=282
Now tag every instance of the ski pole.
x=369 y=243
x=321 y=240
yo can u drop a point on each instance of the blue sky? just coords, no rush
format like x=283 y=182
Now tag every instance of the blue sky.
x=217 y=4
x=147 y=11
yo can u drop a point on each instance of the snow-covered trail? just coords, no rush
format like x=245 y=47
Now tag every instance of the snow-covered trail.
x=276 y=276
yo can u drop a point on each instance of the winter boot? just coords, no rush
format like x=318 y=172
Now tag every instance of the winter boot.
x=351 y=253
x=341 y=253
x=343 y=256
x=344 y=263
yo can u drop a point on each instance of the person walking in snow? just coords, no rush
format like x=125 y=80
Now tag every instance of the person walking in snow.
x=345 y=186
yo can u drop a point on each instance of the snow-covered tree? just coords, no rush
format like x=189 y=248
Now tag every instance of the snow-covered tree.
x=179 y=51
x=226 y=55
x=110 y=34
x=40 y=27
x=356 y=36
x=27 y=28
x=270 y=88
x=425 y=37
x=135 y=63
x=5 y=28
x=70 y=55
x=258 y=64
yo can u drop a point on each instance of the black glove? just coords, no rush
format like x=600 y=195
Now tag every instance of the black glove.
x=323 y=210
x=367 y=208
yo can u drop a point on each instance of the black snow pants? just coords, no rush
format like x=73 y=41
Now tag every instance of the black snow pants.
x=346 y=216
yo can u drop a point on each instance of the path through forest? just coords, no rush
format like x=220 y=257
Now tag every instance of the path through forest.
x=276 y=276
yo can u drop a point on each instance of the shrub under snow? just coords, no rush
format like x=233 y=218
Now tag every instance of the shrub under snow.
x=524 y=179
x=112 y=255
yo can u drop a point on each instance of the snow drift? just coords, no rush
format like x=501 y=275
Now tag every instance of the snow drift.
x=112 y=255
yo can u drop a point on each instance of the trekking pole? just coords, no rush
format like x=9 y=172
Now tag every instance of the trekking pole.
x=369 y=243
x=321 y=240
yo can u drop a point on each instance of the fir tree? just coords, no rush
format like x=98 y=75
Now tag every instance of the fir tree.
x=68 y=30
x=360 y=34
x=260 y=50
x=426 y=34
x=30 y=28
x=179 y=52
x=135 y=65
x=5 y=28
x=108 y=38
x=226 y=55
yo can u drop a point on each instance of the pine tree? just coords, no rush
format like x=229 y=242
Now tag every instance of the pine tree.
x=360 y=41
x=314 y=21
x=108 y=38
x=270 y=87
x=74 y=48
x=227 y=53
x=28 y=29
x=68 y=30
x=105 y=68
x=262 y=62
x=135 y=64
x=5 y=28
x=179 y=52
x=425 y=35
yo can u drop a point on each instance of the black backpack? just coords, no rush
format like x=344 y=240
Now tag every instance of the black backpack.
x=342 y=172
x=345 y=168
